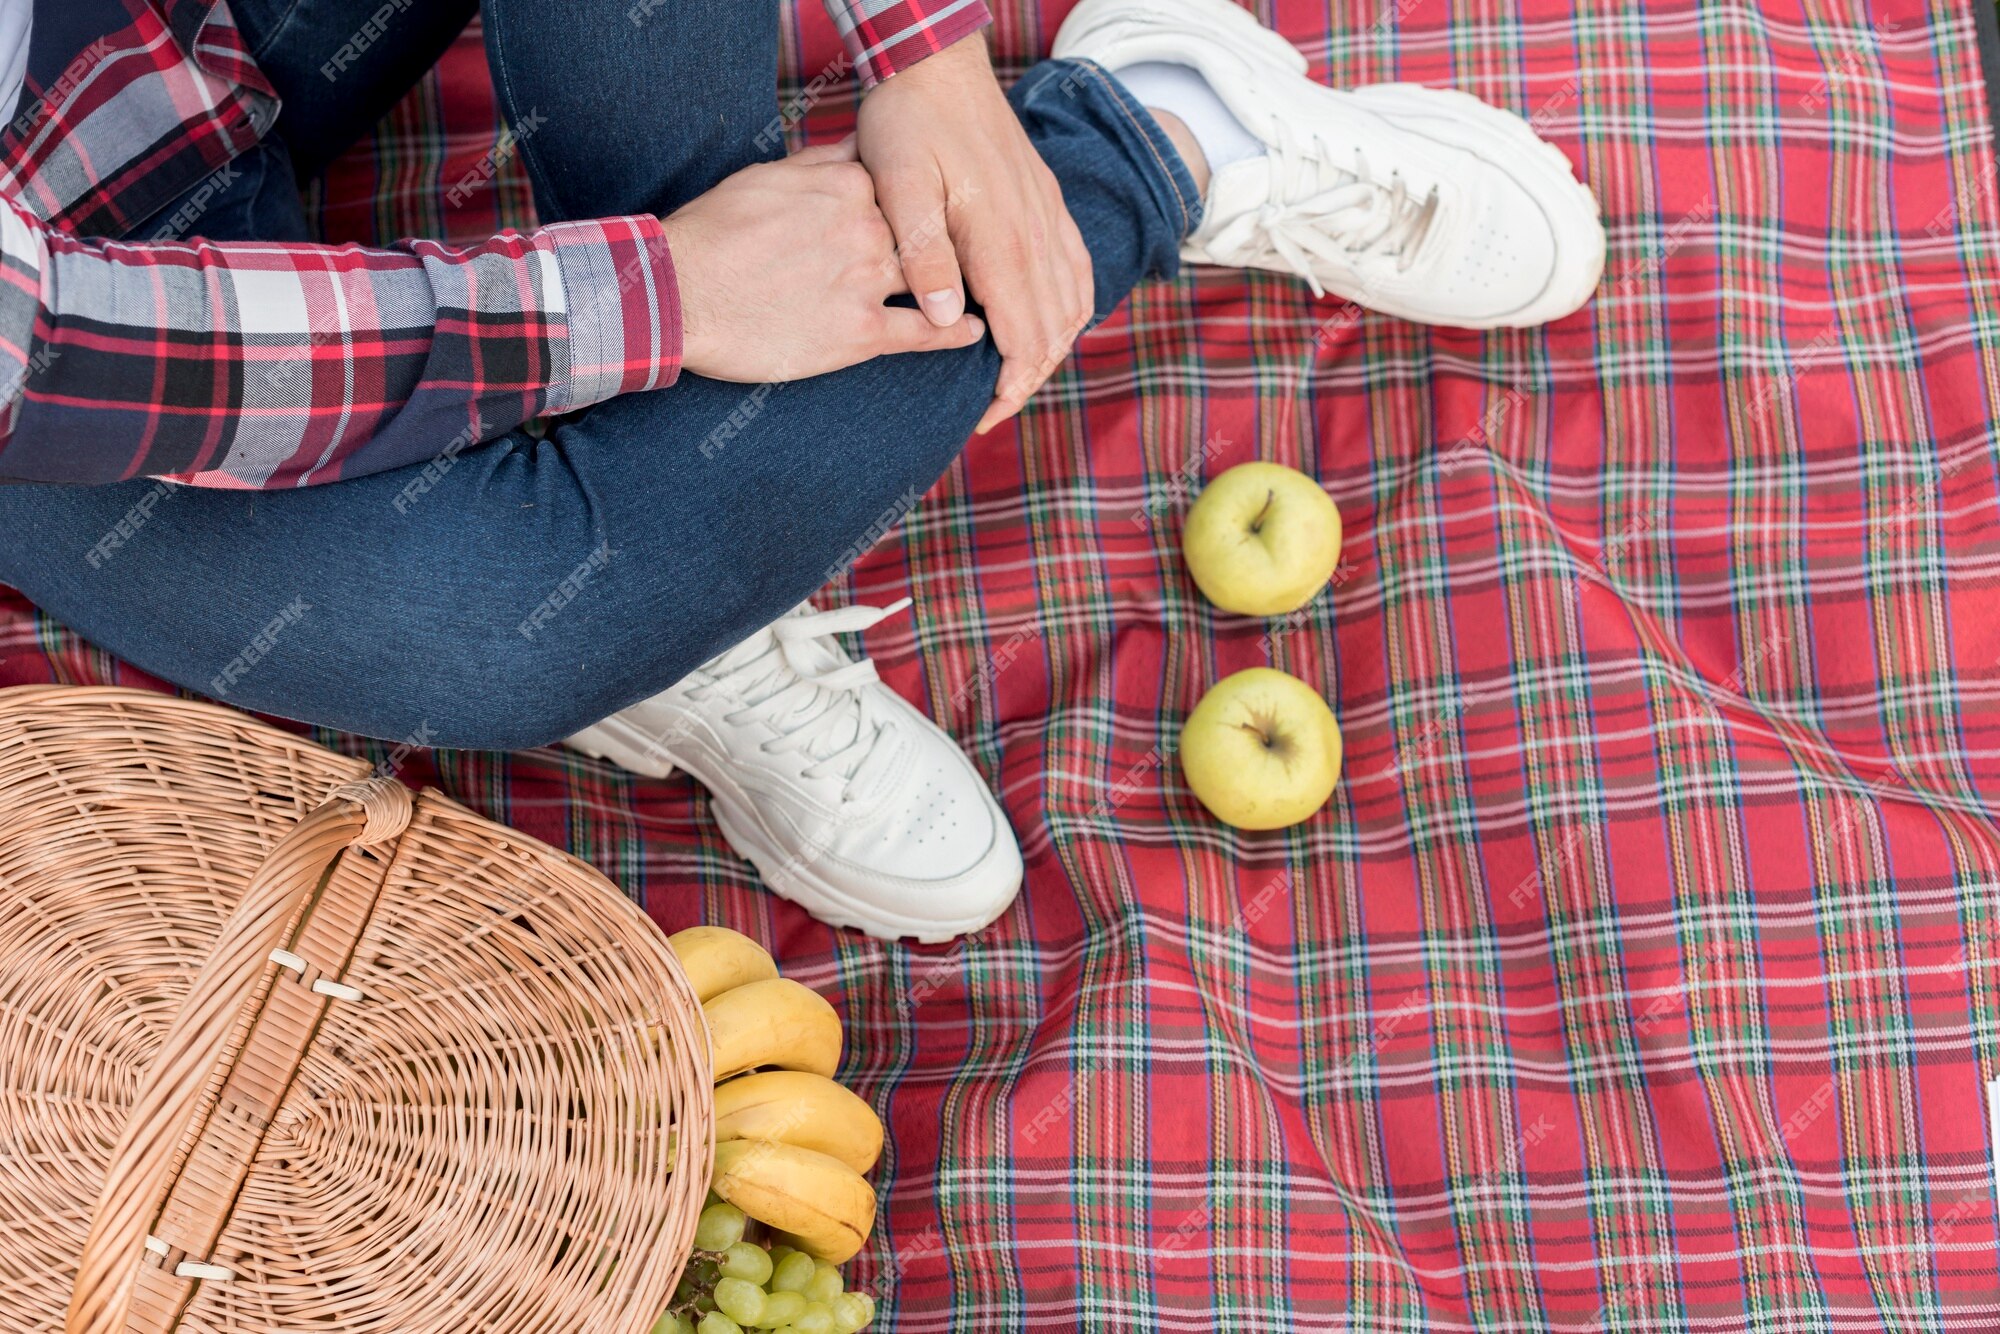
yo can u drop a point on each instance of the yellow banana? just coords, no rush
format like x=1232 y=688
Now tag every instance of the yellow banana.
x=773 y=1022
x=822 y=1202
x=716 y=959
x=807 y=1110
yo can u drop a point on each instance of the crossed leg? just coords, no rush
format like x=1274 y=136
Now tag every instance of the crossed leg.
x=513 y=594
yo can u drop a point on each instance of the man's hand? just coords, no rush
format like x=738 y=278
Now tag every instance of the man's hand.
x=783 y=269
x=966 y=192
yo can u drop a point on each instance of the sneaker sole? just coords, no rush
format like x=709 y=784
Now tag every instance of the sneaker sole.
x=789 y=880
x=619 y=743
x=624 y=745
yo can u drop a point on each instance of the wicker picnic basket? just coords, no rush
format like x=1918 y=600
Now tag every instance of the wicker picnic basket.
x=283 y=1047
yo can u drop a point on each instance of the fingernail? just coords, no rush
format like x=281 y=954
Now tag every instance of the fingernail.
x=942 y=306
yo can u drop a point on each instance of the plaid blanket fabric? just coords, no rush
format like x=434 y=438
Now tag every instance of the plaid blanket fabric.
x=1642 y=975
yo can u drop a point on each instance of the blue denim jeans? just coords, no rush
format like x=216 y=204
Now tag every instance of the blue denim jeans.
x=505 y=596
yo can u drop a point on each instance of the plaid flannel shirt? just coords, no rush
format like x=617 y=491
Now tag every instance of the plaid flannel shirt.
x=884 y=36
x=266 y=364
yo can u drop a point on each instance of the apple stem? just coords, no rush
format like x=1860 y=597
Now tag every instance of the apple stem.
x=1257 y=524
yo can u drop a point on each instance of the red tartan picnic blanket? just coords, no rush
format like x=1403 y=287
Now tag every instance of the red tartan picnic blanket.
x=1642 y=974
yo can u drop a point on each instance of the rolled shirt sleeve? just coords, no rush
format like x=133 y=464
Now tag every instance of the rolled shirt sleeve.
x=885 y=36
x=265 y=365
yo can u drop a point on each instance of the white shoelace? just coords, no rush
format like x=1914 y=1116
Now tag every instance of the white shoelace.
x=1307 y=218
x=794 y=680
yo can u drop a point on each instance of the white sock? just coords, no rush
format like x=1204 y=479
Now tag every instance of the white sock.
x=1181 y=91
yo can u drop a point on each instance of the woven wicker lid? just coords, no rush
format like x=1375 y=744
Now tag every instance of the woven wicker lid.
x=361 y=1063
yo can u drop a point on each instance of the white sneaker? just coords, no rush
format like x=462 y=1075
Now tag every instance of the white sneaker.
x=848 y=801
x=1418 y=202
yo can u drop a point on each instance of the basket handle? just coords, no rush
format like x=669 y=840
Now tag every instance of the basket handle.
x=211 y=1019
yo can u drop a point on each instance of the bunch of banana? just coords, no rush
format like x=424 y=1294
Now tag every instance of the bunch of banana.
x=791 y=1145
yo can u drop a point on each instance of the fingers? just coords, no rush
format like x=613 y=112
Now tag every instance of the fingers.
x=1011 y=398
x=1029 y=363
x=1021 y=375
x=847 y=150
x=906 y=330
x=1042 y=306
x=917 y=207
x=1084 y=274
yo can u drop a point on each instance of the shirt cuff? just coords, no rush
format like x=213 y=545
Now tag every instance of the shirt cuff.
x=621 y=309
x=885 y=37
x=24 y=261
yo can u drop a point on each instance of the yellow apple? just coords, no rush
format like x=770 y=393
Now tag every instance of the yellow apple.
x=1261 y=750
x=1262 y=539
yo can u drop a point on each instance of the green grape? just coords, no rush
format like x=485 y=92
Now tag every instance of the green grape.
x=747 y=1260
x=852 y=1311
x=740 y=1300
x=713 y=1198
x=721 y=1226
x=825 y=1284
x=673 y=1322
x=794 y=1272
x=717 y=1323
x=704 y=1301
x=817 y=1318
x=781 y=1308
x=779 y=1251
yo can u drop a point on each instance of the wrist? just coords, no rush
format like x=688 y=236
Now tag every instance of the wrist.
x=935 y=90
x=965 y=57
x=687 y=248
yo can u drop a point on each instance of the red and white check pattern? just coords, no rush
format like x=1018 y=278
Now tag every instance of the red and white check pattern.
x=884 y=36
x=264 y=365
x=1644 y=974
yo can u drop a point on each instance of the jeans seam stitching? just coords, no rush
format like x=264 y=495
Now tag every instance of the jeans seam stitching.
x=1099 y=74
x=277 y=31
